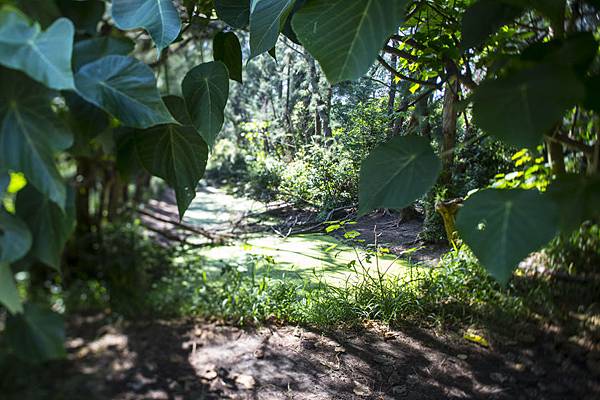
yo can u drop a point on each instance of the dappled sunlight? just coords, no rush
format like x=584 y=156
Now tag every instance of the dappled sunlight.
x=315 y=257
x=215 y=209
x=307 y=257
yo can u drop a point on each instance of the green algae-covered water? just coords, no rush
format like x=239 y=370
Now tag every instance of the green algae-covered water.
x=309 y=257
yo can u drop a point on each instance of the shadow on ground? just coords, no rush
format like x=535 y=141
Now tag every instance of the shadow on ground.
x=200 y=360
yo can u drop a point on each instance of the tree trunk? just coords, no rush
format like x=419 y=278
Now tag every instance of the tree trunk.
x=556 y=157
x=322 y=126
x=393 y=89
x=449 y=121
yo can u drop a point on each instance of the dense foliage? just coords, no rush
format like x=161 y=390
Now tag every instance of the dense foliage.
x=83 y=121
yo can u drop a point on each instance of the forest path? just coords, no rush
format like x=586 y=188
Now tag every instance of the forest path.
x=195 y=360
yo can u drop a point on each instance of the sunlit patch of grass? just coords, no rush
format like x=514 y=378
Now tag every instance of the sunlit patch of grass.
x=257 y=288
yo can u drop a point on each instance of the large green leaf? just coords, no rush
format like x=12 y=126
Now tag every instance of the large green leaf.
x=287 y=29
x=578 y=197
x=502 y=227
x=124 y=87
x=44 y=56
x=266 y=20
x=347 y=35
x=37 y=335
x=50 y=226
x=4 y=182
x=86 y=51
x=159 y=17
x=577 y=52
x=85 y=14
x=484 y=18
x=205 y=90
x=227 y=49
x=9 y=296
x=30 y=133
x=236 y=13
x=521 y=108
x=397 y=173
x=15 y=237
x=175 y=153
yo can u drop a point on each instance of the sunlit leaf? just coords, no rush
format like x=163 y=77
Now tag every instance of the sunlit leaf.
x=502 y=227
x=397 y=173
x=43 y=55
x=345 y=36
x=159 y=17
x=30 y=134
x=17 y=182
x=205 y=90
x=124 y=87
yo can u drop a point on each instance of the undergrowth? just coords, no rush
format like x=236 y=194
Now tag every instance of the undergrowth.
x=457 y=291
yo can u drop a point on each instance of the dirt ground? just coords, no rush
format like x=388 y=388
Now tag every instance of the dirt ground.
x=201 y=360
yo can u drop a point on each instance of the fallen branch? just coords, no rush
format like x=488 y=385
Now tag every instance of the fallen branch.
x=213 y=236
x=173 y=237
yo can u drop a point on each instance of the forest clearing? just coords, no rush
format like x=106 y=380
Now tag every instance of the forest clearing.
x=299 y=199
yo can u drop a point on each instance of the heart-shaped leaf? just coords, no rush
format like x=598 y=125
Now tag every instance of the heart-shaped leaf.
x=502 y=227
x=521 y=108
x=44 y=56
x=227 y=49
x=345 y=36
x=124 y=87
x=30 y=134
x=9 y=296
x=267 y=18
x=159 y=17
x=50 y=226
x=205 y=90
x=175 y=153
x=15 y=238
x=37 y=335
x=397 y=173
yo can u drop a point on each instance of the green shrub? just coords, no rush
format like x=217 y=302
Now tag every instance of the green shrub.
x=125 y=263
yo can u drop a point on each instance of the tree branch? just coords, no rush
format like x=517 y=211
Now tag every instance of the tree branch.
x=400 y=53
x=406 y=78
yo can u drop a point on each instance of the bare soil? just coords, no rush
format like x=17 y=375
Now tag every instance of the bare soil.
x=200 y=360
